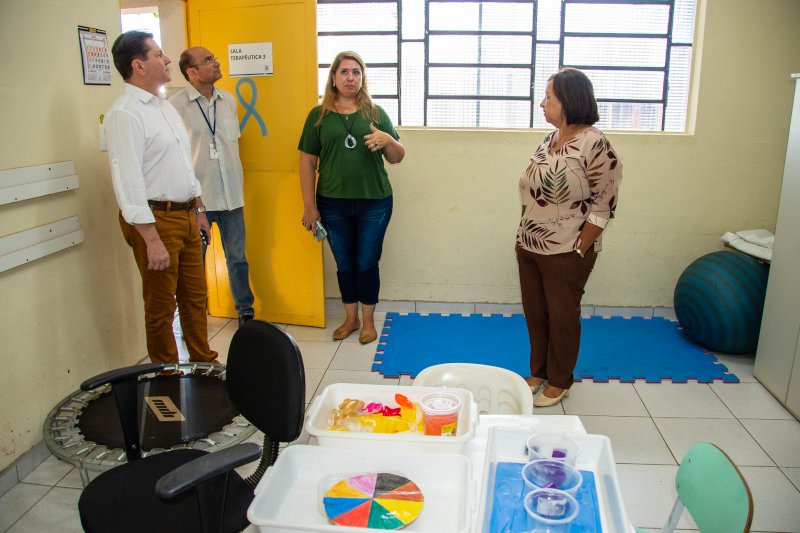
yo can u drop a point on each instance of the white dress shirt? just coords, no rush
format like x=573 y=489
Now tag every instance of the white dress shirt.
x=150 y=154
x=222 y=178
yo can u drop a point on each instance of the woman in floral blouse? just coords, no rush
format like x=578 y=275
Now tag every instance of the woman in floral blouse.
x=569 y=193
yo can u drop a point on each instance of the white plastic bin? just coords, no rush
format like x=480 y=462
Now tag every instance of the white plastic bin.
x=317 y=420
x=510 y=445
x=286 y=499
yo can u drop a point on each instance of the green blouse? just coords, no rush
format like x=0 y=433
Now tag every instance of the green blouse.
x=344 y=172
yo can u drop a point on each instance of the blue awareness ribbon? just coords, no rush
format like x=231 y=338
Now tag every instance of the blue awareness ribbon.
x=250 y=107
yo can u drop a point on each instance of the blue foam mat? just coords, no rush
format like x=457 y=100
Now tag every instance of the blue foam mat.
x=615 y=348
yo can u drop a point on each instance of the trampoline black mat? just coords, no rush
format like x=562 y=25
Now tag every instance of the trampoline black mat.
x=202 y=401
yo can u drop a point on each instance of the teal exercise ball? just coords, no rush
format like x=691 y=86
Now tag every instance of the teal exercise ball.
x=719 y=300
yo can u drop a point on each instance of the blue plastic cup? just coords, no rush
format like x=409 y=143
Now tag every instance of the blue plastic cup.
x=550 y=511
x=551 y=474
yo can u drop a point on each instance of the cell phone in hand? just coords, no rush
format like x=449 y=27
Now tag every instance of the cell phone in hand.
x=204 y=237
x=321 y=233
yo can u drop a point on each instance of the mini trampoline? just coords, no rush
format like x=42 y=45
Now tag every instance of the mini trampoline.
x=185 y=406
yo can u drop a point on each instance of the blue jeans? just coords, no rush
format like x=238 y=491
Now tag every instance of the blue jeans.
x=355 y=232
x=231 y=232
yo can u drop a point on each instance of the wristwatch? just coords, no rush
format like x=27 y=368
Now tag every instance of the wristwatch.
x=201 y=209
x=579 y=252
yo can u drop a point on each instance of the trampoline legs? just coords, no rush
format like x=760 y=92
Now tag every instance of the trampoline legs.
x=84 y=476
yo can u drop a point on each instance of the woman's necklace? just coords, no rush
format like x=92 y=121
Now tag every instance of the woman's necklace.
x=349 y=141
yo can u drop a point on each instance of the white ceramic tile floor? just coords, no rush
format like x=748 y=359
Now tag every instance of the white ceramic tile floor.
x=794 y=475
x=779 y=438
x=215 y=324
x=317 y=354
x=605 y=399
x=354 y=356
x=56 y=511
x=741 y=365
x=729 y=434
x=683 y=400
x=750 y=400
x=634 y=439
x=649 y=492
x=776 y=502
x=650 y=425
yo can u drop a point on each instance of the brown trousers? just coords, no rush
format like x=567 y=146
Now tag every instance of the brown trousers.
x=185 y=278
x=552 y=287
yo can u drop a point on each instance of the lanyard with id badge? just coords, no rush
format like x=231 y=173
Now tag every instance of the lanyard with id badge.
x=213 y=146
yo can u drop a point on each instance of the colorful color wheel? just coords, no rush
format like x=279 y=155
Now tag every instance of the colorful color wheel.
x=377 y=501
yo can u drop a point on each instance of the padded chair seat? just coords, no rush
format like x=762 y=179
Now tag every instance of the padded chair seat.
x=136 y=508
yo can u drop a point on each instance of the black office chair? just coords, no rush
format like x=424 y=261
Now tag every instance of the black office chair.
x=191 y=490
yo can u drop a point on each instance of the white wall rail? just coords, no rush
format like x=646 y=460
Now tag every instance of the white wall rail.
x=29 y=245
x=18 y=184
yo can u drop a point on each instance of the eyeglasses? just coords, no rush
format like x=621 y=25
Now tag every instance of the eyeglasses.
x=209 y=61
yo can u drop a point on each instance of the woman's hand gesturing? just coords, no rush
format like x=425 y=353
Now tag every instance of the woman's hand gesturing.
x=377 y=139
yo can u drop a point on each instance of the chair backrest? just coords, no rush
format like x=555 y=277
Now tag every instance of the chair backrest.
x=266 y=379
x=714 y=491
x=497 y=391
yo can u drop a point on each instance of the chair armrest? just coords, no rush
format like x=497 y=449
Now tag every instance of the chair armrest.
x=120 y=374
x=204 y=468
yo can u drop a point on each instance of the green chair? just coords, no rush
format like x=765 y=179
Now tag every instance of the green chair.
x=714 y=491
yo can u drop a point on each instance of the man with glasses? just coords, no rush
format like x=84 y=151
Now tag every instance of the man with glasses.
x=209 y=114
x=159 y=198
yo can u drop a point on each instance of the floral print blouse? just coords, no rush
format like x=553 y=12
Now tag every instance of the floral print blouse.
x=562 y=190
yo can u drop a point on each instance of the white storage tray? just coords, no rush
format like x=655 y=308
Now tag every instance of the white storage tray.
x=286 y=498
x=510 y=445
x=317 y=420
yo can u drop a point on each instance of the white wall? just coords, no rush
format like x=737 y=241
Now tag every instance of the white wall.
x=79 y=312
x=456 y=194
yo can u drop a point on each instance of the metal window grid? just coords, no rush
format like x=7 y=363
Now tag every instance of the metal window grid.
x=534 y=41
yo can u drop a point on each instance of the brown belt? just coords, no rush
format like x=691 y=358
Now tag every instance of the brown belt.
x=171 y=206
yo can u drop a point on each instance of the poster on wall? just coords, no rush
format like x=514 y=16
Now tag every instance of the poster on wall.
x=94 y=56
x=250 y=59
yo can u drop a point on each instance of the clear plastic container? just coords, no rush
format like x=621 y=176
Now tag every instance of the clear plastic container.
x=550 y=511
x=440 y=413
x=550 y=473
x=553 y=446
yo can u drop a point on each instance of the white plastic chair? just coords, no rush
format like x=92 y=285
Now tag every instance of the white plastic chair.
x=497 y=391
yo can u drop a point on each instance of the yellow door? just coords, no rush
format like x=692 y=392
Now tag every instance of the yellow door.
x=286 y=272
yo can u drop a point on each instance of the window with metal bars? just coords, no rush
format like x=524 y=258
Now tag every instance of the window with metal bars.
x=485 y=63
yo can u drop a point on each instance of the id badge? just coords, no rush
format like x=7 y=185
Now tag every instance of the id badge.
x=213 y=151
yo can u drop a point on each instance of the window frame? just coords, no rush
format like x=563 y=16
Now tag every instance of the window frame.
x=563 y=35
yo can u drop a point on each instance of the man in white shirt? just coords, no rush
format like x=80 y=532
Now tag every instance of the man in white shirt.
x=157 y=192
x=209 y=114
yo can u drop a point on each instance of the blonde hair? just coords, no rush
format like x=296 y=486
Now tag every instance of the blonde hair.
x=368 y=109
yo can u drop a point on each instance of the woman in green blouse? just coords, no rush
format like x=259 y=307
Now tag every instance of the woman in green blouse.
x=350 y=136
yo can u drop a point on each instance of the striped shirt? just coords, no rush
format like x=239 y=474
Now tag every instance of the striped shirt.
x=149 y=153
x=222 y=179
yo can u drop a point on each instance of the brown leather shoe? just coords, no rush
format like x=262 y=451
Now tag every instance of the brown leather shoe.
x=342 y=333
x=366 y=338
